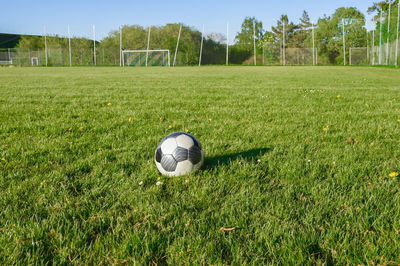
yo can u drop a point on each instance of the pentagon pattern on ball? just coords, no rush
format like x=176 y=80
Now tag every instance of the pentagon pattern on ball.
x=181 y=154
x=168 y=162
x=178 y=154
x=158 y=155
x=195 y=154
x=168 y=146
x=184 y=141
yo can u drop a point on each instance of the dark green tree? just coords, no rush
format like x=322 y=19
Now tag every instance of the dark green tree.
x=329 y=32
x=244 y=38
x=290 y=27
x=302 y=36
x=383 y=7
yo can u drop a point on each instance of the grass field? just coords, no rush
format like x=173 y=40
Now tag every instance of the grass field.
x=300 y=161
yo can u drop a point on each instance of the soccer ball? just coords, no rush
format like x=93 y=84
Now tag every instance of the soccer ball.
x=179 y=154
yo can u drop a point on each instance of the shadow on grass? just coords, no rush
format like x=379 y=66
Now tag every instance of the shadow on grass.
x=226 y=159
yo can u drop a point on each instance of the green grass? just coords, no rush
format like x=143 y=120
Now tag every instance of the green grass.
x=297 y=161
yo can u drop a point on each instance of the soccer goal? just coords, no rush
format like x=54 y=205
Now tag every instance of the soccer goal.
x=145 y=58
x=359 y=56
x=300 y=56
x=34 y=61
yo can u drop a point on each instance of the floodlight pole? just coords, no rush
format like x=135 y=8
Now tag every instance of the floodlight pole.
x=367 y=44
x=69 y=46
x=313 y=45
x=284 y=45
x=201 y=45
x=263 y=57
x=120 y=46
x=344 y=43
x=148 y=44
x=380 y=39
x=94 y=45
x=254 y=41
x=397 y=35
x=45 y=43
x=373 y=47
x=387 y=43
x=177 y=44
x=227 y=43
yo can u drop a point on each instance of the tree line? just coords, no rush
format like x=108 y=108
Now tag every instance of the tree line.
x=328 y=41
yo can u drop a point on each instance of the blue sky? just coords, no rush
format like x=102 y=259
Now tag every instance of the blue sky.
x=29 y=17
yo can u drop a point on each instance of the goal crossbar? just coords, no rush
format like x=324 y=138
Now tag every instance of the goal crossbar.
x=145 y=51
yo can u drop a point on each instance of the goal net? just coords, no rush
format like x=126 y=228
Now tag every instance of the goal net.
x=300 y=56
x=145 y=58
x=359 y=56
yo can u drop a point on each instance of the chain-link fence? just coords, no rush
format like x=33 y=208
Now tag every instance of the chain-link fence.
x=82 y=54
x=270 y=55
x=58 y=56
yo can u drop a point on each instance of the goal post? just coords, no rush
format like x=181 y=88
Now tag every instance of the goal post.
x=145 y=57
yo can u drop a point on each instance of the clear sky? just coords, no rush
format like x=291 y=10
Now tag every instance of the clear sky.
x=29 y=16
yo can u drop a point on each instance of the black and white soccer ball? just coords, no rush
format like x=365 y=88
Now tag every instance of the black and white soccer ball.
x=179 y=154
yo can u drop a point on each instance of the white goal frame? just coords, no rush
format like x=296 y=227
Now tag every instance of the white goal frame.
x=34 y=61
x=147 y=52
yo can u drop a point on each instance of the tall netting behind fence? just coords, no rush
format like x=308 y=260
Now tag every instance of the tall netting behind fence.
x=391 y=53
x=385 y=54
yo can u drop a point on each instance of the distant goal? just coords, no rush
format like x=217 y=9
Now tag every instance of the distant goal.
x=146 y=58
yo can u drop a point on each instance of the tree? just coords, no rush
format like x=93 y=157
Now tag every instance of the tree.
x=277 y=31
x=271 y=48
x=383 y=7
x=245 y=37
x=302 y=35
x=330 y=36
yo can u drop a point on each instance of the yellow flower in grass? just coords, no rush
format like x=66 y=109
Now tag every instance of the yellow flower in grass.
x=130 y=119
x=81 y=128
x=398 y=120
x=394 y=174
x=3 y=159
x=187 y=131
x=326 y=128
x=338 y=96
x=108 y=104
